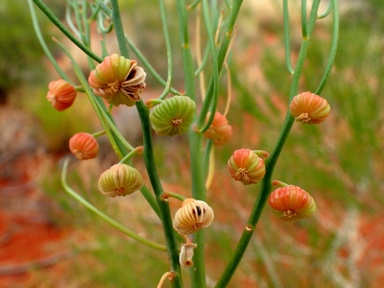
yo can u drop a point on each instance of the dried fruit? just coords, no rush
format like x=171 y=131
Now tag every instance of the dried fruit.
x=186 y=254
x=192 y=216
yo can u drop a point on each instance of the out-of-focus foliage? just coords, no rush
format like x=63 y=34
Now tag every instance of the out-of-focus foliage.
x=20 y=49
x=339 y=162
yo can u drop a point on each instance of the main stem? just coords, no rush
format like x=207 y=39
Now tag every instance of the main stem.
x=266 y=186
x=195 y=146
x=150 y=163
x=165 y=214
x=195 y=139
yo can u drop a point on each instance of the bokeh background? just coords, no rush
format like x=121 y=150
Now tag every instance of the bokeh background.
x=49 y=240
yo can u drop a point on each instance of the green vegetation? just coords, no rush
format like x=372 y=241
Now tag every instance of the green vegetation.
x=340 y=162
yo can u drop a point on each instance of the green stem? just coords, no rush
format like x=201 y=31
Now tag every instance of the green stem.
x=327 y=11
x=203 y=62
x=174 y=195
x=212 y=48
x=136 y=151
x=86 y=22
x=116 y=133
x=103 y=216
x=278 y=183
x=118 y=150
x=98 y=133
x=228 y=4
x=149 y=67
x=188 y=66
x=206 y=157
x=270 y=163
x=150 y=103
x=193 y=5
x=228 y=34
x=197 y=272
x=95 y=9
x=63 y=29
x=312 y=18
x=198 y=192
x=44 y=45
x=86 y=35
x=118 y=146
x=119 y=30
x=138 y=54
x=100 y=24
x=211 y=115
x=257 y=208
x=115 y=130
x=220 y=61
x=335 y=39
x=304 y=18
x=103 y=44
x=124 y=52
x=169 y=50
x=68 y=19
x=195 y=143
x=103 y=31
x=84 y=84
x=147 y=194
x=117 y=140
x=150 y=163
x=76 y=10
x=104 y=7
x=210 y=99
x=262 y=154
x=286 y=37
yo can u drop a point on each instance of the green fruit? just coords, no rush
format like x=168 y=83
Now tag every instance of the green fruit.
x=173 y=116
x=120 y=180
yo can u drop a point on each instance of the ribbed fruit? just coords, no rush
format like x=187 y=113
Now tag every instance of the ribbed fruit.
x=61 y=94
x=84 y=146
x=219 y=131
x=192 y=216
x=173 y=116
x=291 y=203
x=309 y=108
x=246 y=166
x=120 y=180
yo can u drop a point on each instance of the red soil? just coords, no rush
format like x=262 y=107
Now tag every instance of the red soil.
x=28 y=238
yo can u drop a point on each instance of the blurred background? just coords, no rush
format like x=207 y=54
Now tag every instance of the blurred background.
x=49 y=240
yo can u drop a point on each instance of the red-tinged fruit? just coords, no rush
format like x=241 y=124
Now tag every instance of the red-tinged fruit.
x=118 y=80
x=219 y=131
x=61 y=94
x=84 y=146
x=309 y=108
x=291 y=203
x=246 y=166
